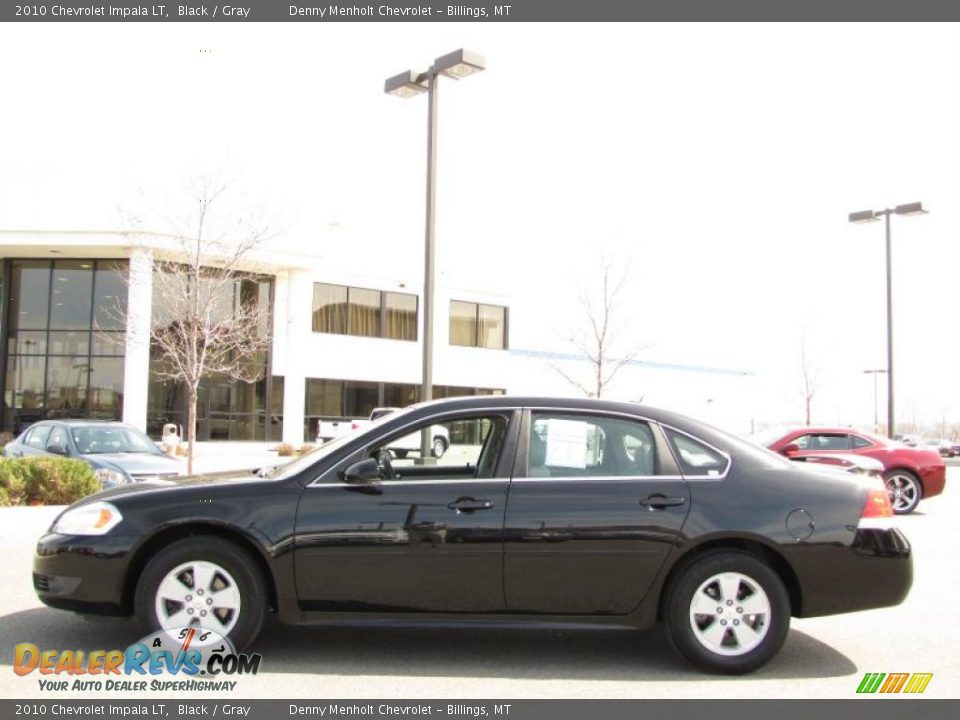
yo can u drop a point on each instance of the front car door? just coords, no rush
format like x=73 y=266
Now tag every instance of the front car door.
x=596 y=505
x=427 y=536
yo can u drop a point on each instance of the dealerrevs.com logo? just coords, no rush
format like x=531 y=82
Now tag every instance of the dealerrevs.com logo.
x=185 y=653
x=908 y=683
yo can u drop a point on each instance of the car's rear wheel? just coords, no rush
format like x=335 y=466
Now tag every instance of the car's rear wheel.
x=439 y=447
x=904 y=490
x=728 y=612
x=202 y=582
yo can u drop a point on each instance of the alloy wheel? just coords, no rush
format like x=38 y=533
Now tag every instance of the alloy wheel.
x=198 y=593
x=903 y=491
x=730 y=614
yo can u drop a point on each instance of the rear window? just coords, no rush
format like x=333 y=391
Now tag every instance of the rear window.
x=695 y=457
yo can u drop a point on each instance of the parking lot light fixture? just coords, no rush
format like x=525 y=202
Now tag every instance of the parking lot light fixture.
x=457 y=64
x=863 y=216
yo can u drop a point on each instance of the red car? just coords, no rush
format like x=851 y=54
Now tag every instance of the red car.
x=910 y=473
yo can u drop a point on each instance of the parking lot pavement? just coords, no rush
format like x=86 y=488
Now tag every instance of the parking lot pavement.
x=822 y=658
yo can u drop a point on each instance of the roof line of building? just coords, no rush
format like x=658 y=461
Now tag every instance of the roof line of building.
x=545 y=355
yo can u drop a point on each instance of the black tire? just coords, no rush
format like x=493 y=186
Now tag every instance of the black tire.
x=400 y=453
x=439 y=447
x=237 y=563
x=691 y=585
x=905 y=490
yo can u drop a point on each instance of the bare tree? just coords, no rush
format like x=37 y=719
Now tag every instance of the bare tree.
x=809 y=378
x=599 y=338
x=206 y=321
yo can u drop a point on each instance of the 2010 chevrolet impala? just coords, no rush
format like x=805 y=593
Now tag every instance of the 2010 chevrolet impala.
x=541 y=511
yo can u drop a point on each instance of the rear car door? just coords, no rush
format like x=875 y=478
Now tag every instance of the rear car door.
x=595 y=507
x=428 y=537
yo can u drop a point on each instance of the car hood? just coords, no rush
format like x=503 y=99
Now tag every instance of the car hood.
x=173 y=484
x=136 y=463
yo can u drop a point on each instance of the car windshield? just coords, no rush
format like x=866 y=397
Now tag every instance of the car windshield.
x=303 y=462
x=112 y=439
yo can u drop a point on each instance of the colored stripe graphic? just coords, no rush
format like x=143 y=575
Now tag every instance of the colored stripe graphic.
x=894 y=683
x=870 y=682
x=918 y=683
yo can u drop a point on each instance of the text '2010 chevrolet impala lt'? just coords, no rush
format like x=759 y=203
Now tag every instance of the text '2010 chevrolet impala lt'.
x=541 y=510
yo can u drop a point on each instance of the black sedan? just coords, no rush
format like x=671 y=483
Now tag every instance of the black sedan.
x=541 y=511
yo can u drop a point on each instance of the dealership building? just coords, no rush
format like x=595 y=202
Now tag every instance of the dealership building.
x=341 y=344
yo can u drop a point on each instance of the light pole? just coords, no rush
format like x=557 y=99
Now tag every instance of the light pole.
x=456 y=65
x=876 y=419
x=865 y=216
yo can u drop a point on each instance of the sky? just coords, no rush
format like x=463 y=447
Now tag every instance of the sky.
x=712 y=165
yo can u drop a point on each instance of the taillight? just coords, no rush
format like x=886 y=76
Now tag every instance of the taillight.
x=877 y=505
x=877 y=511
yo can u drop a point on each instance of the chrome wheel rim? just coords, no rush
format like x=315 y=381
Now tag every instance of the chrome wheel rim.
x=199 y=594
x=438 y=448
x=730 y=614
x=902 y=491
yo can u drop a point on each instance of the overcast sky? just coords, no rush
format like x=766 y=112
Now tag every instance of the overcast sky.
x=716 y=162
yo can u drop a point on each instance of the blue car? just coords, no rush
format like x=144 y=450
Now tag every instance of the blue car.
x=118 y=453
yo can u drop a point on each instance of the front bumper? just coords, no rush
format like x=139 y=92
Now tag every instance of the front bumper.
x=875 y=571
x=83 y=573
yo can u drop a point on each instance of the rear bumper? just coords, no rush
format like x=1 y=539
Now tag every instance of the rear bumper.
x=83 y=574
x=934 y=479
x=876 y=571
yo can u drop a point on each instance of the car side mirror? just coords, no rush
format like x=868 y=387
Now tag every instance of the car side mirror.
x=789 y=449
x=364 y=472
x=57 y=450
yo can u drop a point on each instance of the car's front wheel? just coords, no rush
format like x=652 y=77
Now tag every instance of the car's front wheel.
x=203 y=582
x=728 y=612
x=904 y=491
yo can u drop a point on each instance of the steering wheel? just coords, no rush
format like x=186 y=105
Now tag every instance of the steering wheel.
x=386 y=467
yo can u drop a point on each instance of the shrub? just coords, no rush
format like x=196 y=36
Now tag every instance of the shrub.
x=304 y=449
x=45 y=481
x=285 y=450
x=5 y=437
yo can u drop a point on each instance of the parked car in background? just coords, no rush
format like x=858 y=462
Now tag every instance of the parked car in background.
x=118 y=453
x=559 y=510
x=910 y=473
x=856 y=464
x=940 y=445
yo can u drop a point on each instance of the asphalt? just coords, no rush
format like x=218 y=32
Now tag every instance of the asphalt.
x=822 y=657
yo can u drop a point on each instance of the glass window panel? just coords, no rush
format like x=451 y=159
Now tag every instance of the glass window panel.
x=400 y=320
x=463 y=323
x=110 y=295
x=69 y=342
x=364 y=312
x=67 y=386
x=397 y=395
x=329 y=308
x=360 y=398
x=324 y=397
x=107 y=343
x=492 y=325
x=29 y=294
x=71 y=294
x=23 y=395
x=27 y=342
x=695 y=457
x=106 y=388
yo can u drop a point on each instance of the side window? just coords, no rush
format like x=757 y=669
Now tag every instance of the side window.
x=466 y=447
x=58 y=436
x=695 y=457
x=562 y=445
x=827 y=441
x=37 y=438
x=802 y=442
x=859 y=442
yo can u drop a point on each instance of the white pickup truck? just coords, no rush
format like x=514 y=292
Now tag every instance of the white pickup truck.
x=440 y=436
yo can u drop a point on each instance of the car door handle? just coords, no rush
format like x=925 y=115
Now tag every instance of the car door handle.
x=658 y=502
x=468 y=505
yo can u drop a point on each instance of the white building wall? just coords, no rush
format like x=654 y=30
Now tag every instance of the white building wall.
x=136 y=367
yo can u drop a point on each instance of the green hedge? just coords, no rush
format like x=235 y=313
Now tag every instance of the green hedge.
x=45 y=481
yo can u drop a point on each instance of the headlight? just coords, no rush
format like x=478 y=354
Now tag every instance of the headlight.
x=97 y=518
x=109 y=477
